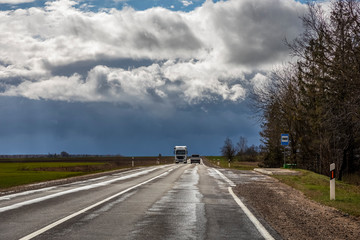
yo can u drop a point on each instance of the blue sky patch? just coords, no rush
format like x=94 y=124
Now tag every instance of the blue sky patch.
x=95 y=5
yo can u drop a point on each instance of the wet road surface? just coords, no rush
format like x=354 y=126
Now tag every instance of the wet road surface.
x=186 y=201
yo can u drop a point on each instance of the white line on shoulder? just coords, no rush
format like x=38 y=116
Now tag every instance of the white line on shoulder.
x=252 y=218
x=232 y=184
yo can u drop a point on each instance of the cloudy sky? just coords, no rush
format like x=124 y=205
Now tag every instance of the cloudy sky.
x=136 y=77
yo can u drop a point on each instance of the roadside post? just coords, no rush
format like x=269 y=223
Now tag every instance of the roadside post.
x=229 y=163
x=158 y=159
x=284 y=142
x=332 y=181
x=132 y=162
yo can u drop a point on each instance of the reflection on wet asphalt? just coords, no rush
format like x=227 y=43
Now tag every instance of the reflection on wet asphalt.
x=188 y=202
x=179 y=214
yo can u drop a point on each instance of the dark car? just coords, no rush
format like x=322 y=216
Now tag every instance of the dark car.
x=195 y=158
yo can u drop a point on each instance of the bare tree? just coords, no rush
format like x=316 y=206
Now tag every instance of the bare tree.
x=228 y=150
x=241 y=145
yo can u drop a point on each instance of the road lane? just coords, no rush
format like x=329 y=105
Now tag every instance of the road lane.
x=89 y=208
x=178 y=214
x=32 y=217
x=190 y=202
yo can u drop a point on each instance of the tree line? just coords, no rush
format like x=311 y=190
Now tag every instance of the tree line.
x=241 y=150
x=316 y=97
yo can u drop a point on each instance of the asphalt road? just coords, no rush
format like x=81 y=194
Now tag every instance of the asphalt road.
x=184 y=201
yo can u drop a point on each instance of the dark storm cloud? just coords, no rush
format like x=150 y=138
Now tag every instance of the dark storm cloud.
x=52 y=126
x=14 y=81
x=174 y=33
x=84 y=66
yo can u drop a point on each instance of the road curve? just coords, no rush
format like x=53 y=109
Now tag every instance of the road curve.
x=185 y=201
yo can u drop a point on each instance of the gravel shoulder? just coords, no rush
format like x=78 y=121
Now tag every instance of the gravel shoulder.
x=292 y=214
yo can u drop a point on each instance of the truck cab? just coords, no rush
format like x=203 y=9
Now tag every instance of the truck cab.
x=180 y=154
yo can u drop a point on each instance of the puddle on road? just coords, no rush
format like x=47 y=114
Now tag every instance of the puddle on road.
x=179 y=214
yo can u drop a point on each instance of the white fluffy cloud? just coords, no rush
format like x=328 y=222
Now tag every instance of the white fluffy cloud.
x=186 y=2
x=203 y=55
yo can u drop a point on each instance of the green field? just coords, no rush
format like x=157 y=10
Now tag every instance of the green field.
x=223 y=162
x=14 y=174
x=316 y=187
x=20 y=171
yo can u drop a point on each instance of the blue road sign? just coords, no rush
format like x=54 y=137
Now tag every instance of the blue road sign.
x=285 y=139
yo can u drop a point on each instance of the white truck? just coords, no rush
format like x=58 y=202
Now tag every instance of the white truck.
x=180 y=154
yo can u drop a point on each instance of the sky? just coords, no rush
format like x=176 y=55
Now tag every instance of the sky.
x=136 y=77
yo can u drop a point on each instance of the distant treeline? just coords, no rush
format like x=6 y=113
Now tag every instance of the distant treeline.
x=53 y=155
x=113 y=160
x=316 y=98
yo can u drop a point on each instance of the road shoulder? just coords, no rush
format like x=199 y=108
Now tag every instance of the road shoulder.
x=293 y=215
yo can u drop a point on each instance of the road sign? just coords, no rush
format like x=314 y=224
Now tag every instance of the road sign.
x=284 y=139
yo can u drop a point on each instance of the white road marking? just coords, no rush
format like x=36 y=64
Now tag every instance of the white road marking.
x=87 y=187
x=252 y=218
x=11 y=196
x=50 y=226
x=232 y=184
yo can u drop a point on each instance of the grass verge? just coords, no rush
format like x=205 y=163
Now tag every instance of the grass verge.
x=313 y=185
x=316 y=187
x=21 y=171
x=234 y=164
x=15 y=174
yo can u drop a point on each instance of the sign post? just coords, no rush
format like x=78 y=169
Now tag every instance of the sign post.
x=284 y=142
x=332 y=181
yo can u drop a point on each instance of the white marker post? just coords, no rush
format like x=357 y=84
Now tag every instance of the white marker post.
x=332 y=181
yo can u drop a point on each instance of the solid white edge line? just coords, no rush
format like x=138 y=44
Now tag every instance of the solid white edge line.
x=232 y=184
x=252 y=218
x=50 y=226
